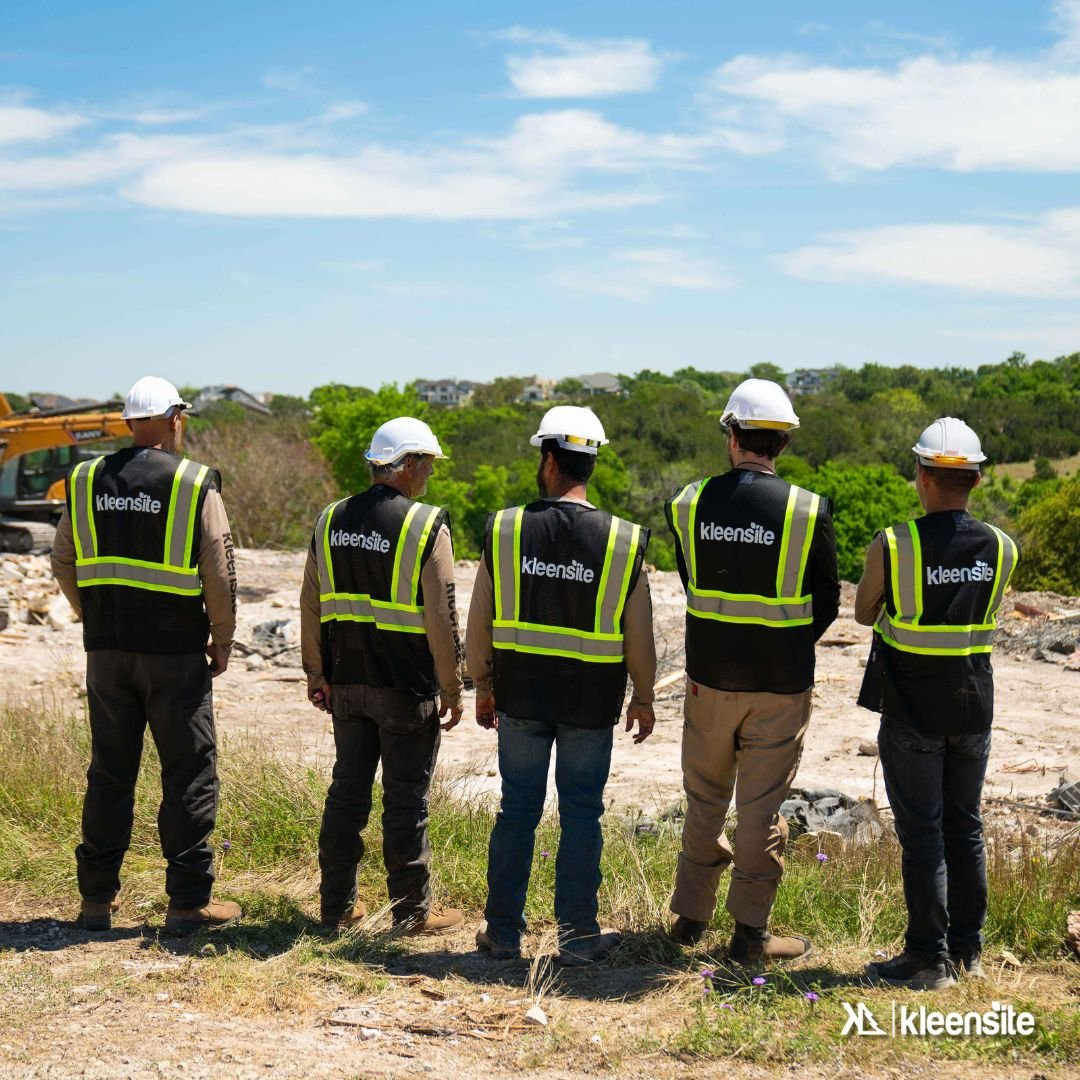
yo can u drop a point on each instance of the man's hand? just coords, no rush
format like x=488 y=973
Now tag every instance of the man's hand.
x=646 y=721
x=455 y=712
x=485 y=712
x=320 y=698
x=219 y=658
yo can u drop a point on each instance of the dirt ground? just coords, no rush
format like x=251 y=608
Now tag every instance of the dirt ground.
x=1036 y=736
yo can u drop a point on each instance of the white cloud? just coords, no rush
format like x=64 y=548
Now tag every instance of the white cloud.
x=344 y=110
x=964 y=113
x=353 y=265
x=572 y=68
x=24 y=123
x=1040 y=258
x=290 y=80
x=636 y=273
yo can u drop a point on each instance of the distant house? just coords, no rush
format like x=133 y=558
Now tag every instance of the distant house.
x=452 y=392
x=210 y=395
x=537 y=390
x=600 y=384
x=811 y=380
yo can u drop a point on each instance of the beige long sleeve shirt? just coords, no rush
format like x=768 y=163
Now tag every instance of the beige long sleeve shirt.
x=216 y=561
x=440 y=621
x=639 y=646
x=870 y=594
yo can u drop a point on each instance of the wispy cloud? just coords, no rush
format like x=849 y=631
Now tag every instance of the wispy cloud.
x=636 y=274
x=353 y=266
x=418 y=290
x=290 y=80
x=962 y=113
x=24 y=123
x=566 y=67
x=1040 y=258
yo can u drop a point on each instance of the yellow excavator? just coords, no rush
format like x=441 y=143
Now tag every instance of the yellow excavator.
x=38 y=448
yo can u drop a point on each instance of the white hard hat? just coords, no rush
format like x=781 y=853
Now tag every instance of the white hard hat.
x=573 y=427
x=400 y=436
x=949 y=443
x=152 y=396
x=759 y=403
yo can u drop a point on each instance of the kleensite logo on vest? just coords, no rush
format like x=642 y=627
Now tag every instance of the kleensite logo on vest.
x=373 y=541
x=954 y=575
x=142 y=503
x=574 y=572
x=752 y=534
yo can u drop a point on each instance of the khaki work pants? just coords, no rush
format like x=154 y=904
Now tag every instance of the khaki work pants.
x=746 y=744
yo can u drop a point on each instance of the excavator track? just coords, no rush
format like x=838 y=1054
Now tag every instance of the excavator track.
x=26 y=537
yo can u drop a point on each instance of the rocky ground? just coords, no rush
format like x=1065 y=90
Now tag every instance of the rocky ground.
x=1036 y=739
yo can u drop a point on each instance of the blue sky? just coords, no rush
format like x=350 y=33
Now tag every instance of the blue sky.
x=283 y=194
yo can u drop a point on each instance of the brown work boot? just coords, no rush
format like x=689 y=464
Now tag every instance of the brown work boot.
x=345 y=921
x=687 y=932
x=755 y=945
x=94 y=916
x=437 y=921
x=211 y=916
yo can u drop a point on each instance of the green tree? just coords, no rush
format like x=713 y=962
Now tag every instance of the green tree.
x=1050 y=541
x=503 y=391
x=766 y=370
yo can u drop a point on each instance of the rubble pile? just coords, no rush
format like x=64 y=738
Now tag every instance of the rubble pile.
x=1042 y=626
x=826 y=816
x=28 y=594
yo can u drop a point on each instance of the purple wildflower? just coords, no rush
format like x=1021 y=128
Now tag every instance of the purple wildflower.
x=544 y=854
x=759 y=980
x=708 y=973
x=225 y=845
x=822 y=857
x=811 y=996
x=727 y=1005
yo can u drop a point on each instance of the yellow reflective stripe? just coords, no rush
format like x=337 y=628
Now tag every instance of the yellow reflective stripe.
x=80 y=523
x=89 y=494
x=916 y=572
x=680 y=519
x=929 y=650
x=591 y=635
x=148 y=564
x=170 y=517
x=414 y=592
x=558 y=641
x=624 y=587
x=192 y=513
x=505 y=541
x=756 y=620
x=894 y=568
x=811 y=525
x=403 y=536
x=519 y=517
x=605 y=573
x=785 y=539
x=138 y=574
x=692 y=561
x=326 y=563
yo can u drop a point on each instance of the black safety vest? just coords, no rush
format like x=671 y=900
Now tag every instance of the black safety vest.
x=371 y=550
x=561 y=574
x=945 y=577
x=136 y=519
x=745 y=540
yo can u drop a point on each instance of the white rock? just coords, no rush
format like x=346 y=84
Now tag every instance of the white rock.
x=254 y=662
x=59 y=613
x=369 y=1033
x=485 y=999
x=537 y=1016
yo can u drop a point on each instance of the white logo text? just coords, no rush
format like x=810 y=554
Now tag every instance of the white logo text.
x=574 y=572
x=368 y=541
x=141 y=502
x=953 y=575
x=752 y=534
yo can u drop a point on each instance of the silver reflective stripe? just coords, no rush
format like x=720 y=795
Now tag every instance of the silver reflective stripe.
x=561 y=640
x=723 y=607
x=1008 y=565
x=356 y=607
x=931 y=639
x=623 y=554
x=506 y=570
x=81 y=494
x=801 y=525
x=904 y=571
x=682 y=508
x=105 y=571
x=187 y=489
x=414 y=534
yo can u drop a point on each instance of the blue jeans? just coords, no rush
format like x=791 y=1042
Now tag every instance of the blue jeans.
x=582 y=762
x=934 y=784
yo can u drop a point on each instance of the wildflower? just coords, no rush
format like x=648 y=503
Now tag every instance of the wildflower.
x=706 y=988
x=822 y=857
x=708 y=973
x=727 y=1005
x=811 y=996
x=225 y=845
x=759 y=980
x=544 y=854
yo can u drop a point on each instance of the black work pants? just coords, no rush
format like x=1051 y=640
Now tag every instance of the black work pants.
x=171 y=694
x=372 y=724
x=934 y=784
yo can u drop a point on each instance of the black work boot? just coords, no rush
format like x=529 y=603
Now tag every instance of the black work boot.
x=968 y=963
x=752 y=945
x=913 y=971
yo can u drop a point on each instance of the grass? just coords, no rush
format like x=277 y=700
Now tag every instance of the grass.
x=850 y=905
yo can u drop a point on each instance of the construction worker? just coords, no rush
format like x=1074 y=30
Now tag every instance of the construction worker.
x=931 y=589
x=144 y=554
x=758 y=559
x=560 y=614
x=382 y=653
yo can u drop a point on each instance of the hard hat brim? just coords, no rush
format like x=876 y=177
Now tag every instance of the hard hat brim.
x=128 y=414
x=570 y=442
